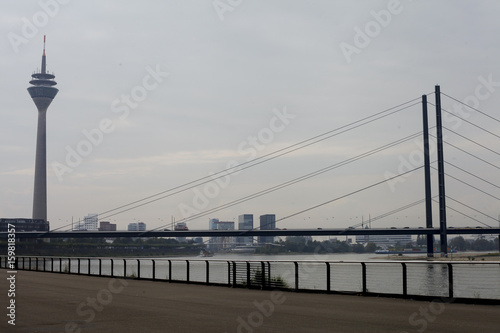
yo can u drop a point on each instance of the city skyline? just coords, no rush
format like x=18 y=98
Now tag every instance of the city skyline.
x=151 y=104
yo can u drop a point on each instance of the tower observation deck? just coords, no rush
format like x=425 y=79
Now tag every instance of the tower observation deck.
x=42 y=91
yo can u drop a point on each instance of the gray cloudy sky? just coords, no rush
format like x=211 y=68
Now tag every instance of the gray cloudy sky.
x=171 y=91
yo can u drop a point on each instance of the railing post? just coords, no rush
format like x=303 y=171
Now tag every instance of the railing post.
x=52 y=265
x=328 y=283
x=78 y=266
x=187 y=271
x=154 y=269
x=234 y=274
x=268 y=273
x=207 y=271
x=124 y=268
x=450 y=280
x=170 y=271
x=248 y=275
x=363 y=269
x=405 y=280
x=30 y=264
x=228 y=274
x=36 y=261
x=89 y=267
x=100 y=267
x=69 y=265
x=44 y=264
x=296 y=264
x=60 y=265
x=138 y=268
x=263 y=275
x=112 y=268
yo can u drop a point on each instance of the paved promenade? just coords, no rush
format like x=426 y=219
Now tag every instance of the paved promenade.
x=47 y=302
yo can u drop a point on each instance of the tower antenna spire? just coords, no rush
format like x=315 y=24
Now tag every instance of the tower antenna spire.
x=43 y=57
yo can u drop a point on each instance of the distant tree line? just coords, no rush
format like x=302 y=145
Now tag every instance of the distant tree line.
x=300 y=244
x=461 y=244
x=94 y=247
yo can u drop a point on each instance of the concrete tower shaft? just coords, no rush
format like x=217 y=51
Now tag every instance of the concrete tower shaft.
x=42 y=92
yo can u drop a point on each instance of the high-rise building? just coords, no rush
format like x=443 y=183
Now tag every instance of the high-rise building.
x=267 y=222
x=42 y=91
x=91 y=222
x=384 y=241
x=245 y=222
x=220 y=243
x=107 y=226
x=137 y=226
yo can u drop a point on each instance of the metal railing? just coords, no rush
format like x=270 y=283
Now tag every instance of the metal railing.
x=410 y=279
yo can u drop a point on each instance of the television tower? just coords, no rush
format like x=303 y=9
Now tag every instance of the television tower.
x=42 y=91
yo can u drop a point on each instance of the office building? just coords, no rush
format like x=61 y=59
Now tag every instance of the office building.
x=267 y=222
x=245 y=222
x=136 y=226
x=107 y=226
x=91 y=222
x=221 y=243
x=384 y=241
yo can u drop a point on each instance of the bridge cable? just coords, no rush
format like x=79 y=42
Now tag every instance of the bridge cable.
x=473 y=175
x=262 y=159
x=349 y=194
x=298 y=179
x=477 y=211
x=483 y=113
x=257 y=161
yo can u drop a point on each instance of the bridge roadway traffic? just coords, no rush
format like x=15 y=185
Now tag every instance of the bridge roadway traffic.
x=239 y=233
x=50 y=302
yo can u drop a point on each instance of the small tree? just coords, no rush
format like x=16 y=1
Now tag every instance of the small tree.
x=370 y=247
x=459 y=243
x=358 y=248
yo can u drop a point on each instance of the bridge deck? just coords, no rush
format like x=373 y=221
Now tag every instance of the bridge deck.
x=47 y=302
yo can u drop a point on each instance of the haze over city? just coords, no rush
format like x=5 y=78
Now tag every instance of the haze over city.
x=155 y=96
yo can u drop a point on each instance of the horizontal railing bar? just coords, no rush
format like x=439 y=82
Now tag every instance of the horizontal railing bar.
x=369 y=262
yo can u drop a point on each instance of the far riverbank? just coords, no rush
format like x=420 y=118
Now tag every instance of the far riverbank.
x=462 y=256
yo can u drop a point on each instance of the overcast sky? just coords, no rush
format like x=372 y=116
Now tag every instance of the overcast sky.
x=157 y=94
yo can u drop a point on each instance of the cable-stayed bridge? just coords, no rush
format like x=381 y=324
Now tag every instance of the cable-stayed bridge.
x=476 y=214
